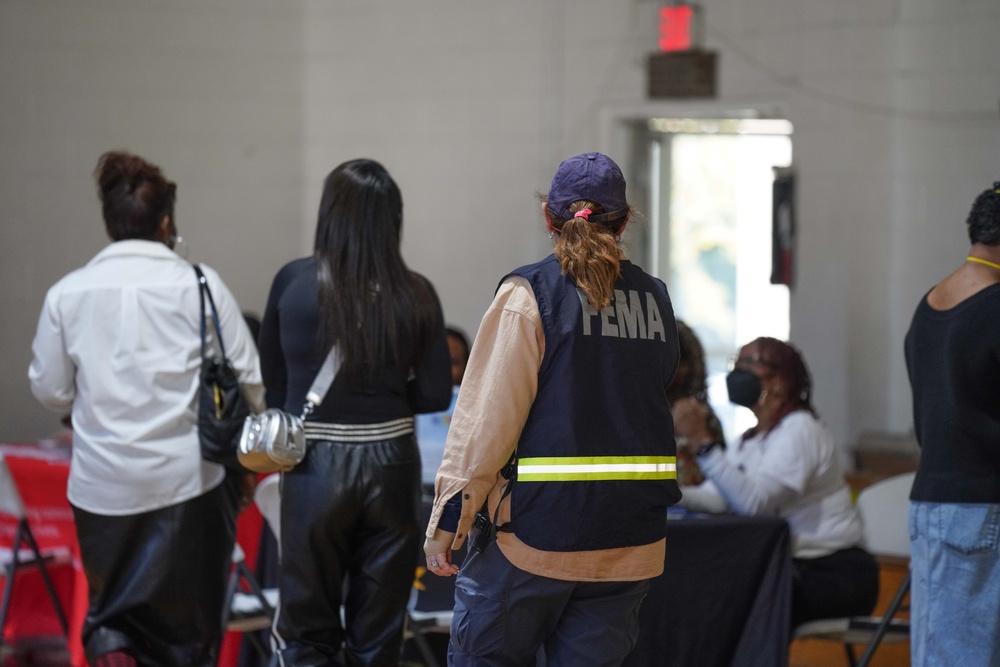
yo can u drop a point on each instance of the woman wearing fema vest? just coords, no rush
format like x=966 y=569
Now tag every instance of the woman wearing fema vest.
x=566 y=380
x=786 y=466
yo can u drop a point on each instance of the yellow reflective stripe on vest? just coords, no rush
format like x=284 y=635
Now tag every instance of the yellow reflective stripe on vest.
x=592 y=468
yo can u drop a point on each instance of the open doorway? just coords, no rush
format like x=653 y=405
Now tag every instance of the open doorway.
x=709 y=237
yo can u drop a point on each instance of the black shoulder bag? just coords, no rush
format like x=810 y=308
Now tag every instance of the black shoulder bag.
x=222 y=409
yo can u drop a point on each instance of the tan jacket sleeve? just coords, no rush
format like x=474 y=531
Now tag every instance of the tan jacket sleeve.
x=500 y=384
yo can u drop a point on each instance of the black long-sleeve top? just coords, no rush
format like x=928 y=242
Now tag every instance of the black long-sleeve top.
x=291 y=355
x=953 y=358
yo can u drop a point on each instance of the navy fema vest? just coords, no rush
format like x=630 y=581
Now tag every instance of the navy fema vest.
x=596 y=466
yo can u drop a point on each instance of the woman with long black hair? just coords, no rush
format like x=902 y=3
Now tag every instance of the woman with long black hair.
x=350 y=510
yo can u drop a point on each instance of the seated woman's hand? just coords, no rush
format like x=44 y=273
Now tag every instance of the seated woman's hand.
x=691 y=422
x=688 y=472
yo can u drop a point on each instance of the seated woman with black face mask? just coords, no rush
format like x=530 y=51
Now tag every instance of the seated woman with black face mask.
x=786 y=466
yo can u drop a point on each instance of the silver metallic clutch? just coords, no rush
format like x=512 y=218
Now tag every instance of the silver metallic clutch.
x=272 y=441
x=275 y=440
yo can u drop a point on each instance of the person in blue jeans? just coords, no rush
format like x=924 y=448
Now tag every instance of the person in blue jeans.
x=953 y=359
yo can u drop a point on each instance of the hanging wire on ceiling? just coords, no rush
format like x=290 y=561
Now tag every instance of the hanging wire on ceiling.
x=626 y=44
x=792 y=83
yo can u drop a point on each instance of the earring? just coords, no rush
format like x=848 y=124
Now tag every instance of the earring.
x=618 y=238
x=551 y=234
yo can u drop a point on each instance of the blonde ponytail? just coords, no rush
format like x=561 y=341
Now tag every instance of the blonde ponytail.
x=588 y=253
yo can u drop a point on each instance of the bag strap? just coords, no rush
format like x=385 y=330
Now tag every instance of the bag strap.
x=204 y=291
x=327 y=372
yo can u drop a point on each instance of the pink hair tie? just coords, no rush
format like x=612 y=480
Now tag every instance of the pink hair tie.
x=584 y=213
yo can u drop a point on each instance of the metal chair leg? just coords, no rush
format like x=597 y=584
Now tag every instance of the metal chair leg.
x=418 y=638
x=24 y=536
x=8 y=587
x=897 y=601
x=30 y=539
x=258 y=645
x=852 y=659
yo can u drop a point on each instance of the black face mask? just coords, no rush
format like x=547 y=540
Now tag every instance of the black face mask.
x=744 y=387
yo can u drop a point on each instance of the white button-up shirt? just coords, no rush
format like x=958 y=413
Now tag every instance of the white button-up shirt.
x=792 y=472
x=119 y=341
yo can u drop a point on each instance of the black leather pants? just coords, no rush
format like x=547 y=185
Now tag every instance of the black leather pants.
x=349 y=536
x=158 y=579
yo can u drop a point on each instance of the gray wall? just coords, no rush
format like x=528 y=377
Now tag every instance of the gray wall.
x=471 y=105
x=212 y=92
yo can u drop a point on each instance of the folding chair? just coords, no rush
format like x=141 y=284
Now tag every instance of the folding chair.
x=432 y=600
x=24 y=551
x=884 y=508
x=251 y=607
x=421 y=621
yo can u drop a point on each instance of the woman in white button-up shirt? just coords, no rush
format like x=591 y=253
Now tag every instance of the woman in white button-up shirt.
x=118 y=342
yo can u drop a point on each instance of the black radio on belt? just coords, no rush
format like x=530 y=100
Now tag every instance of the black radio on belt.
x=486 y=532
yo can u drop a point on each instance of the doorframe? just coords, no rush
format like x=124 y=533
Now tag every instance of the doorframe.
x=616 y=136
x=615 y=123
x=614 y=119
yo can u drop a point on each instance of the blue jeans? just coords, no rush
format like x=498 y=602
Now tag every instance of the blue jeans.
x=955 y=589
x=503 y=615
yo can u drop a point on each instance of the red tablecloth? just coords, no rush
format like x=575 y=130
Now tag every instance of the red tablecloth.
x=41 y=476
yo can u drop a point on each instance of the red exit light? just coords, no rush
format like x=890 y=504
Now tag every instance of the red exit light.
x=675 y=28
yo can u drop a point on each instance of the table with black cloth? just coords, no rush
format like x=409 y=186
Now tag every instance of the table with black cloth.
x=724 y=598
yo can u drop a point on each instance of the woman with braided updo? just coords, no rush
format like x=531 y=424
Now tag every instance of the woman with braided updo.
x=953 y=358
x=119 y=343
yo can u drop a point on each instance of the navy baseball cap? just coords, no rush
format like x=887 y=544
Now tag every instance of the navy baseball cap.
x=591 y=176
